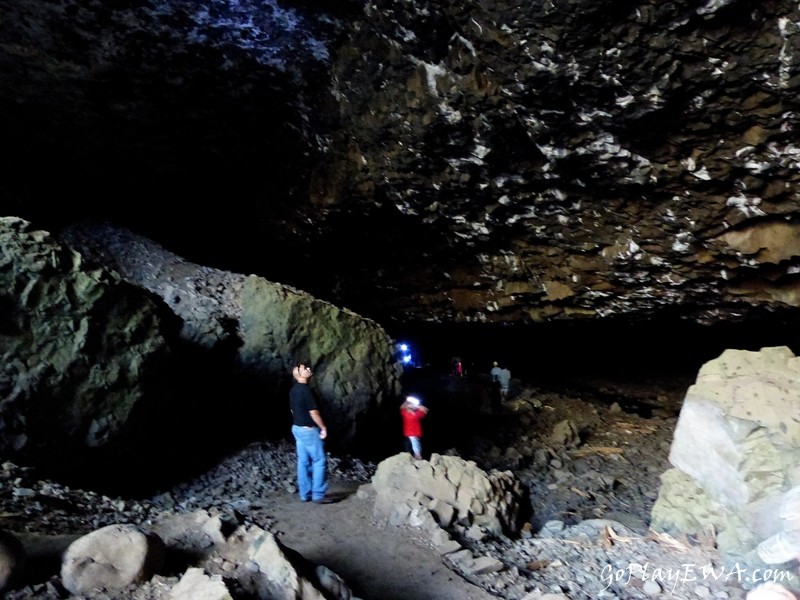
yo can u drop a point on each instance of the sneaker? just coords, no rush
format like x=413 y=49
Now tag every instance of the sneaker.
x=324 y=500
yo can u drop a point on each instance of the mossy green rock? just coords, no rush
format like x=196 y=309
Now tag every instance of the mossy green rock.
x=355 y=370
x=76 y=346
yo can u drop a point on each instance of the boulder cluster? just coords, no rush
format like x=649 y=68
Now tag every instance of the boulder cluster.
x=451 y=488
x=212 y=561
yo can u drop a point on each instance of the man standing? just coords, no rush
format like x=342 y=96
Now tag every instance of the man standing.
x=497 y=395
x=309 y=431
x=504 y=379
x=495 y=372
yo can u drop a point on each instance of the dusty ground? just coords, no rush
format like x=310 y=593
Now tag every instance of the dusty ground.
x=590 y=498
x=377 y=561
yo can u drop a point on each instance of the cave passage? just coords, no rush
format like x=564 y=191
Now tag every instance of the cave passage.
x=552 y=354
x=225 y=412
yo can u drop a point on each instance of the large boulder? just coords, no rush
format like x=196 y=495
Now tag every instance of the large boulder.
x=735 y=452
x=490 y=500
x=111 y=558
x=13 y=557
x=213 y=559
x=79 y=346
x=264 y=568
x=355 y=369
x=259 y=328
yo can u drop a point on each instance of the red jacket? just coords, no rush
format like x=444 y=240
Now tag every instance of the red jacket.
x=412 y=425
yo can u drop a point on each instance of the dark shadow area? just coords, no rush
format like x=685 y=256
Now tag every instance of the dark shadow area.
x=552 y=354
x=459 y=409
x=206 y=408
x=592 y=359
x=44 y=555
x=150 y=149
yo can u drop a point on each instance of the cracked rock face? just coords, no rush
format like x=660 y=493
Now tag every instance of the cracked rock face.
x=82 y=350
x=450 y=161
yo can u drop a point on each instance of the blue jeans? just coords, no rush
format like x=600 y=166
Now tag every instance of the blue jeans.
x=416 y=445
x=312 y=463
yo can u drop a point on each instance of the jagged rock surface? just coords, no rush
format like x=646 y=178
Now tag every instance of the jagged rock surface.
x=124 y=560
x=499 y=161
x=735 y=451
x=81 y=349
x=491 y=501
x=266 y=327
x=584 y=161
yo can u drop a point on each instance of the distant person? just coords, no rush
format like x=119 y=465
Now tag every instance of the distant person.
x=413 y=412
x=309 y=431
x=504 y=379
x=458 y=367
x=496 y=396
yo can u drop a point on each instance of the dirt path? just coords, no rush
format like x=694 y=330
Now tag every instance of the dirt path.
x=378 y=561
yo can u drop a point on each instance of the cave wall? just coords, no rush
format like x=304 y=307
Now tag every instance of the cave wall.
x=122 y=359
x=84 y=353
x=453 y=161
x=249 y=332
x=583 y=158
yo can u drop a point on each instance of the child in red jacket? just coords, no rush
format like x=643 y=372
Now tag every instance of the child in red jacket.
x=413 y=412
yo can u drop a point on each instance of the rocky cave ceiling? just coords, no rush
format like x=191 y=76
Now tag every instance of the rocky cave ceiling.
x=454 y=161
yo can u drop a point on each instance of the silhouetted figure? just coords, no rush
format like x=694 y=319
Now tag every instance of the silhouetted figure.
x=495 y=375
x=458 y=368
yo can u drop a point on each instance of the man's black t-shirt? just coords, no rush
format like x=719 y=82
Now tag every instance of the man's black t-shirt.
x=301 y=400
